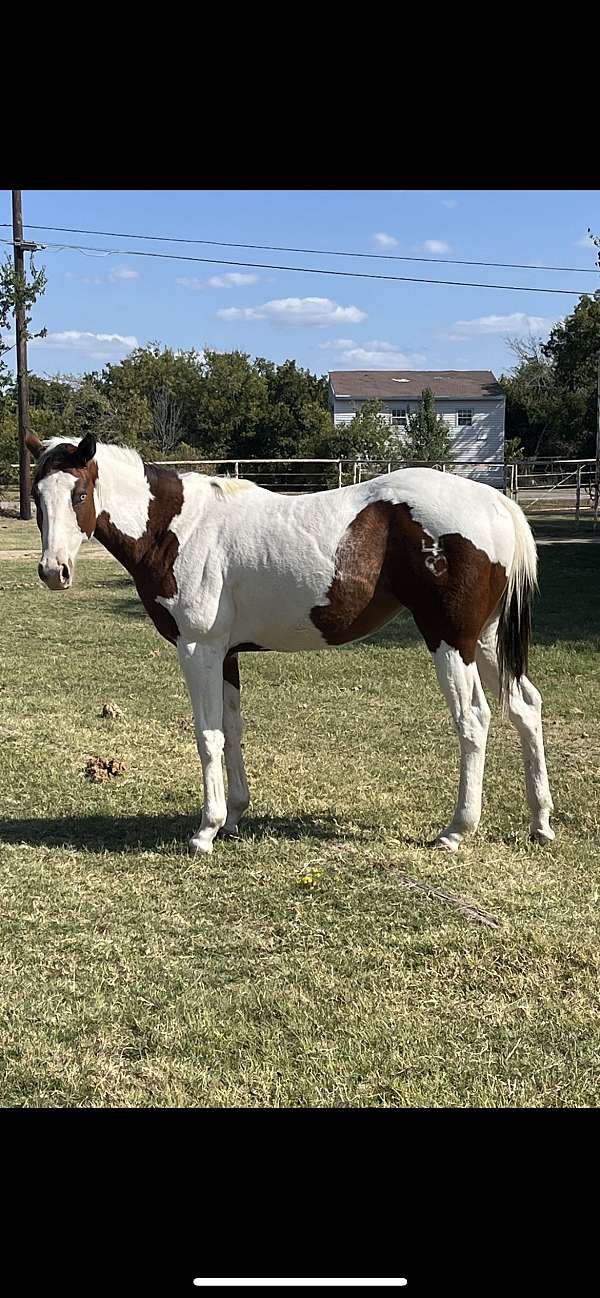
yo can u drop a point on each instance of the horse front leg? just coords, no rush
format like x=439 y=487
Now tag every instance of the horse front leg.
x=202 y=666
x=238 y=793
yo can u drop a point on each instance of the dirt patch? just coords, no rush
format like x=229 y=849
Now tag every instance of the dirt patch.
x=111 y=710
x=100 y=769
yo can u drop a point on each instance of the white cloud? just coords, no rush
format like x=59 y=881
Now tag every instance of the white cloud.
x=450 y=202
x=585 y=241
x=434 y=245
x=233 y=279
x=124 y=272
x=119 y=272
x=86 y=279
x=313 y=311
x=385 y=240
x=374 y=355
x=95 y=345
x=517 y=323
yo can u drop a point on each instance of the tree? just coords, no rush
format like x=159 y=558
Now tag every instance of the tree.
x=14 y=292
x=166 y=421
x=427 y=437
x=551 y=394
x=132 y=387
x=532 y=399
x=296 y=417
x=88 y=410
x=365 y=437
x=513 y=449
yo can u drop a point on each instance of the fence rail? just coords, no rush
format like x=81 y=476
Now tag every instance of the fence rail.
x=560 y=485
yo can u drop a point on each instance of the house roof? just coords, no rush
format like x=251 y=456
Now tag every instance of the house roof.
x=394 y=384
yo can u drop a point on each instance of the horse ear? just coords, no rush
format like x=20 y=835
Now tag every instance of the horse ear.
x=85 y=451
x=33 y=444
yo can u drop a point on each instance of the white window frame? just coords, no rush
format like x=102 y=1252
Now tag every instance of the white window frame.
x=464 y=423
x=398 y=416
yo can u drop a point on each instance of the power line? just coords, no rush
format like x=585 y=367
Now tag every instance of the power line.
x=308 y=270
x=313 y=252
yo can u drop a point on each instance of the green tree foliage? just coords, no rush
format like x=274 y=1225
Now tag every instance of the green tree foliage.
x=427 y=437
x=295 y=420
x=364 y=437
x=551 y=393
x=14 y=291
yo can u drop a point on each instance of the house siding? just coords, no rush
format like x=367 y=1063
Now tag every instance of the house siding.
x=482 y=441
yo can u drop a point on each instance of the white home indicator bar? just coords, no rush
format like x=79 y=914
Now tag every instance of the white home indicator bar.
x=300 y=1284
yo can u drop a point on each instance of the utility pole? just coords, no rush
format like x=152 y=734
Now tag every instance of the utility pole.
x=21 y=331
x=597 y=482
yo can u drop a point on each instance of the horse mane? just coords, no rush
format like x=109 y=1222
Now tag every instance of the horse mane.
x=121 y=453
x=225 y=487
x=231 y=486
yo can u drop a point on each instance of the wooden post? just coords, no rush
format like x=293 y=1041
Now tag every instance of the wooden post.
x=22 y=384
x=597 y=482
x=578 y=495
x=339 y=473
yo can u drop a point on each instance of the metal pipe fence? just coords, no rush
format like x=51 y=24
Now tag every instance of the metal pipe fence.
x=539 y=486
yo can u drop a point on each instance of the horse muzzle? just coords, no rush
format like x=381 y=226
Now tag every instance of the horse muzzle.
x=56 y=576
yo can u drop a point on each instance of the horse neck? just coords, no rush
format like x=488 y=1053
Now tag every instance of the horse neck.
x=122 y=498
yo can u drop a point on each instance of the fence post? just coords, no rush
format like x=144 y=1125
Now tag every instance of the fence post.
x=236 y=469
x=389 y=467
x=578 y=495
x=339 y=473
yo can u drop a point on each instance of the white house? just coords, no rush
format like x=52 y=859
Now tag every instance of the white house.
x=471 y=402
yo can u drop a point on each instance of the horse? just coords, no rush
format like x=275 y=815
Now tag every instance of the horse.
x=223 y=566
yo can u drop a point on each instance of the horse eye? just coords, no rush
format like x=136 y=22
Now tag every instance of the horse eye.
x=79 y=499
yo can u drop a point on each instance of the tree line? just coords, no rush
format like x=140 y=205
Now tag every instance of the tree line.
x=213 y=405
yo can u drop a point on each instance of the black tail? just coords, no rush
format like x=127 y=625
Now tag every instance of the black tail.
x=514 y=635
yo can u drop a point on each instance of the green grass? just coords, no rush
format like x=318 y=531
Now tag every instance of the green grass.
x=133 y=975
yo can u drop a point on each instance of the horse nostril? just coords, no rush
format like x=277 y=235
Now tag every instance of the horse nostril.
x=64 y=573
x=41 y=573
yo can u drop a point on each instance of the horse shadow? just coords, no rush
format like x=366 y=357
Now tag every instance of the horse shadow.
x=153 y=832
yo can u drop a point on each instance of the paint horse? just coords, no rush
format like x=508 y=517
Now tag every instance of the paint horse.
x=222 y=566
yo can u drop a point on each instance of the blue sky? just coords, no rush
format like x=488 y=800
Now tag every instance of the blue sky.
x=96 y=308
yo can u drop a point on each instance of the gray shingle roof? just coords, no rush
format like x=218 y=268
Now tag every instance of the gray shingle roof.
x=389 y=385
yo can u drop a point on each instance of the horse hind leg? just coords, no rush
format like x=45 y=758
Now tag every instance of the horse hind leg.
x=238 y=793
x=525 y=714
x=461 y=686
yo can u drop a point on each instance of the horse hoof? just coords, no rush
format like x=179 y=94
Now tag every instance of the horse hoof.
x=228 y=833
x=542 y=836
x=443 y=844
x=199 y=847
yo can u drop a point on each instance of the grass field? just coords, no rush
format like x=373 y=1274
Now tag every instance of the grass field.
x=132 y=975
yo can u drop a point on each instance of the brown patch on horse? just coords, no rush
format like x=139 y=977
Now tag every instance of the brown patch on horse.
x=386 y=561
x=150 y=559
x=62 y=460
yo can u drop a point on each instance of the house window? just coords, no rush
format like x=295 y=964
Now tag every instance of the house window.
x=398 y=416
x=465 y=418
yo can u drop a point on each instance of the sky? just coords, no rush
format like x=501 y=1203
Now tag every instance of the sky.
x=97 y=307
